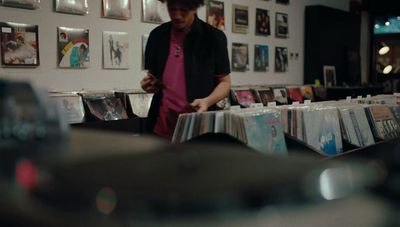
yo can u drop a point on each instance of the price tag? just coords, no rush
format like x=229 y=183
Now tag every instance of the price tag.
x=368 y=96
x=272 y=104
x=359 y=97
x=295 y=103
x=396 y=94
x=235 y=107
x=256 y=105
x=348 y=98
x=307 y=102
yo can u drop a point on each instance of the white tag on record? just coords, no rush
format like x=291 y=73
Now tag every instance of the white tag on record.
x=256 y=105
x=272 y=104
x=235 y=107
x=368 y=96
x=307 y=101
x=6 y=29
x=396 y=94
x=348 y=98
x=359 y=97
x=295 y=103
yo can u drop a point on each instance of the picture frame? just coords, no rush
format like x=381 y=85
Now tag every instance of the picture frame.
x=240 y=57
x=19 y=44
x=282 y=25
x=329 y=75
x=117 y=9
x=262 y=27
x=240 y=20
x=73 y=47
x=115 y=50
x=154 y=11
x=284 y=2
x=261 y=58
x=215 y=14
x=26 y=4
x=281 y=59
x=79 y=7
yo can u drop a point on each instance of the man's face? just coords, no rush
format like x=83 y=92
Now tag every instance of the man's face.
x=181 y=17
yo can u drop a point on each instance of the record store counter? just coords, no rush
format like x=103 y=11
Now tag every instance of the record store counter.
x=114 y=179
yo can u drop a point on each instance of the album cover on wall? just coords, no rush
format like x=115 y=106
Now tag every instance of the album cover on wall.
x=80 y=7
x=281 y=59
x=73 y=47
x=117 y=9
x=286 y=2
x=282 y=25
x=27 y=4
x=154 y=11
x=329 y=75
x=19 y=44
x=261 y=59
x=215 y=14
x=240 y=57
x=115 y=50
x=262 y=22
x=240 y=21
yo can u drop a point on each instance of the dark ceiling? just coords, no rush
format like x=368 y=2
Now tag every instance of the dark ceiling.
x=382 y=6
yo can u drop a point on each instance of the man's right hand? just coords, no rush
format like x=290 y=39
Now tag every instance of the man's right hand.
x=150 y=83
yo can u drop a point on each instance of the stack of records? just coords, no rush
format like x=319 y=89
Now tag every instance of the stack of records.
x=354 y=125
x=316 y=125
x=259 y=128
x=382 y=122
x=71 y=106
x=136 y=103
x=104 y=106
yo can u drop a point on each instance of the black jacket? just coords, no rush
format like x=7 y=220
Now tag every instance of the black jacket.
x=206 y=57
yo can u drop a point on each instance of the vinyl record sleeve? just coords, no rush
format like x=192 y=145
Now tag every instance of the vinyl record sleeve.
x=117 y=9
x=79 y=7
x=19 y=44
x=115 y=50
x=71 y=107
x=27 y=4
x=215 y=14
x=73 y=47
x=240 y=20
x=140 y=103
x=154 y=11
x=240 y=57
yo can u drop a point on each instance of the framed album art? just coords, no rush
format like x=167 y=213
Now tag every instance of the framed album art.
x=240 y=21
x=285 y=2
x=154 y=11
x=282 y=25
x=329 y=75
x=240 y=57
x=73 y=47
x=115 y=50
x=262 y=22
x=79 y=7
x=215 y=14
x=27 y=4
x=117 y=9
x=19 y=44
x=261 y=60
x=281 y=59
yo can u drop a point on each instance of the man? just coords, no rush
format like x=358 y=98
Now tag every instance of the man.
x=188 y=66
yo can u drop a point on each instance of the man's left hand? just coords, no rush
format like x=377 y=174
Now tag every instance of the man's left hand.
x=200 y=105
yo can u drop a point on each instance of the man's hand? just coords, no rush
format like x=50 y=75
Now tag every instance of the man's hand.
x=150 y=84
x=200 y=105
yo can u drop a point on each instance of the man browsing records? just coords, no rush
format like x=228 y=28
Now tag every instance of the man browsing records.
x=188 y=67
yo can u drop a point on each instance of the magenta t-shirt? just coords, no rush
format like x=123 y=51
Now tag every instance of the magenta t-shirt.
x=174 y=99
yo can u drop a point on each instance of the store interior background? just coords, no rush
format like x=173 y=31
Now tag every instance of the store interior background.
x=48 y=74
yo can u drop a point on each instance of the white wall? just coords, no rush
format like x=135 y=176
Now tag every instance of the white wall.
x=97 y=78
